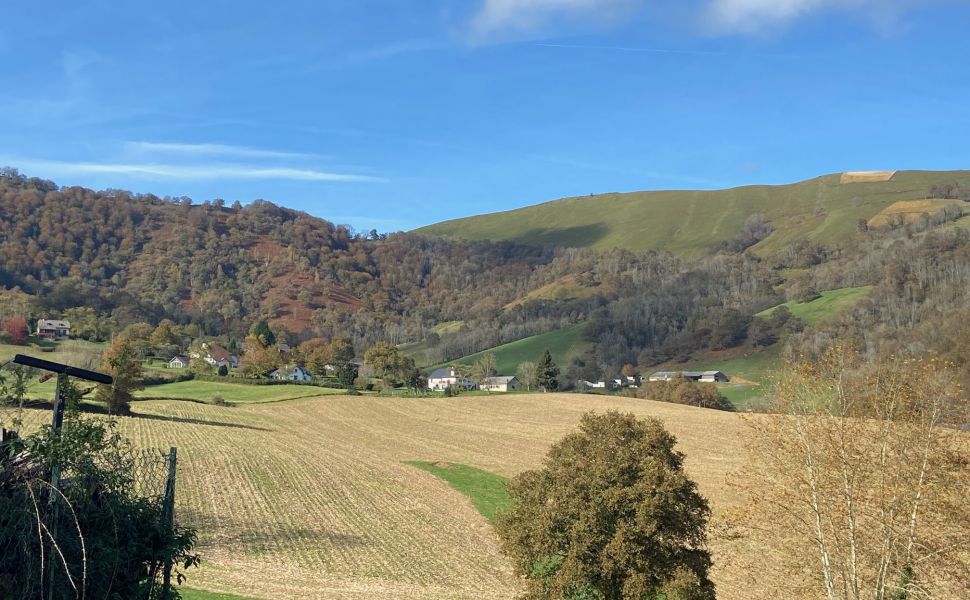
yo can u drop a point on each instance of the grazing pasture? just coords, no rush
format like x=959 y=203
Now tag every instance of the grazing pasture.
x=563 y=344
x=828 y=305
x=314 y=498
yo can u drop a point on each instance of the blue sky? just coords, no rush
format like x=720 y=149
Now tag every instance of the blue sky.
x=391 y=114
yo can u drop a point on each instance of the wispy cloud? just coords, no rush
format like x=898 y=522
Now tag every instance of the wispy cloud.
x=632 y=49
x=753 y=16
x=225 y=150
x=719 y=16
x=523 y=15
x=185 y=172
x=398 y=48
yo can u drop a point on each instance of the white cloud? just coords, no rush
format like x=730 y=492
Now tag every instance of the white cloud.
x=751 y=16
x=520 y=15
x=213 y=150
x=723 y=16
x=54 y=169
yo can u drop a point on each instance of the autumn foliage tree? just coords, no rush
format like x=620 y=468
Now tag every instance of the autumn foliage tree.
x=14 y=329
x=123 y=364
x=610 y=515
x=866 y=479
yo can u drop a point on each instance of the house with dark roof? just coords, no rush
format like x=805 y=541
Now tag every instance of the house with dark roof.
x=699 y=376
x=179 y=362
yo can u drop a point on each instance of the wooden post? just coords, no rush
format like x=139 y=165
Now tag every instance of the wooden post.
x=56 y=422
x=168 y=519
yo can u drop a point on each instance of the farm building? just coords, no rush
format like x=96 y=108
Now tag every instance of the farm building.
x=442 y=378
x=296 y=373
x=53 y=329
x=501 y=384
x=583 y=384
x=700 y=376
x=179 y=362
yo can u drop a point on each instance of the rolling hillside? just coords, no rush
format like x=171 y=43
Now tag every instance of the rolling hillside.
x=563 y=344
x=825 y=209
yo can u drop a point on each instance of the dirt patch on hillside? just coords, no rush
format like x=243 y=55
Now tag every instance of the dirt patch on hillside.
x=866 y=176
x=909 y=210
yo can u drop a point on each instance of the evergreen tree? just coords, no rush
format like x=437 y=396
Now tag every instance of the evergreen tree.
x=547 y=376
x=263 y=333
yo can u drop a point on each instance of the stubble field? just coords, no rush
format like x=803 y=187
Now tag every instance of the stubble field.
x=311 y=498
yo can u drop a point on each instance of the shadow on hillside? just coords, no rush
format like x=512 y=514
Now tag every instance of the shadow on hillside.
x=191 y=421
x=578 y=236
x=258 y=535
x=100 y=409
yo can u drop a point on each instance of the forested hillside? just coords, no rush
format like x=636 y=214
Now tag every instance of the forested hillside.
x=106 y=260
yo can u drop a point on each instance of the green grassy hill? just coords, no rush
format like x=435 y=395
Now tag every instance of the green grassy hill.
x=563 y=344
x=825 y=209
x=829 y=304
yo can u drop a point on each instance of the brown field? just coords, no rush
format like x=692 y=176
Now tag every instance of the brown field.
x=310 y=499
x=866 y=176
x=910 y=210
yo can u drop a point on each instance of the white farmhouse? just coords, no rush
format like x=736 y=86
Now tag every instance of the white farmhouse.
x=179 y=362
x=292 y=374
x=440 y=379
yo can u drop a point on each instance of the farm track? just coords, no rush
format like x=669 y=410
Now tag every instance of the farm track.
x=310 y=498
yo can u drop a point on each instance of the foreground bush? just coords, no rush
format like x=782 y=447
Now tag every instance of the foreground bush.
x=99 y=537
x=611 y=515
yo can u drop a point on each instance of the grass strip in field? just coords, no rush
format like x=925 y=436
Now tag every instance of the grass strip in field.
x=190 y=594
x=485 y=490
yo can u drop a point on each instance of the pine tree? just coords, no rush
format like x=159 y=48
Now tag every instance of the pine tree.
x=548 y=373
x=263 y=333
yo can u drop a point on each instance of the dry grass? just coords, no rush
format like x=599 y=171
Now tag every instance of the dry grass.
x=866 y=176
x=311 y=499
x=910 y=210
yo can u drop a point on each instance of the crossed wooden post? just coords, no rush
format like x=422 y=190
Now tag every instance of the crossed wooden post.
x=63 y=372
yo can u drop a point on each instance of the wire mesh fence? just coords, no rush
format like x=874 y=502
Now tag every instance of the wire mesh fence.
x=102 y=530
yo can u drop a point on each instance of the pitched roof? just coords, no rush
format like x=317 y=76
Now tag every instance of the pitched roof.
x=441 y=373
x=499 y=380
x=218 y=353
x=53 y=324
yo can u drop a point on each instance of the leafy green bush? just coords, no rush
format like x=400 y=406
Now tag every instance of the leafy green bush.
x=94 y=535
x=610 y=515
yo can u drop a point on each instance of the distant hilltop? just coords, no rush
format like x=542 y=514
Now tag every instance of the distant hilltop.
x=693 y=222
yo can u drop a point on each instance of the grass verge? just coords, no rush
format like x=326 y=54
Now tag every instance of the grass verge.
x=485 y=490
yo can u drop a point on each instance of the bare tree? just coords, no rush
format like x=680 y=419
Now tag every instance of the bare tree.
x=864 y=482
x=484 y=368
x=527 y=372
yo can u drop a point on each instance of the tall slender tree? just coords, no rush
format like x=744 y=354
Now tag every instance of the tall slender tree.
x=547 y=375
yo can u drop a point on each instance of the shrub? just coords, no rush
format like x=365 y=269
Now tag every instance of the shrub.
x=107 y=534
x=611 y=514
